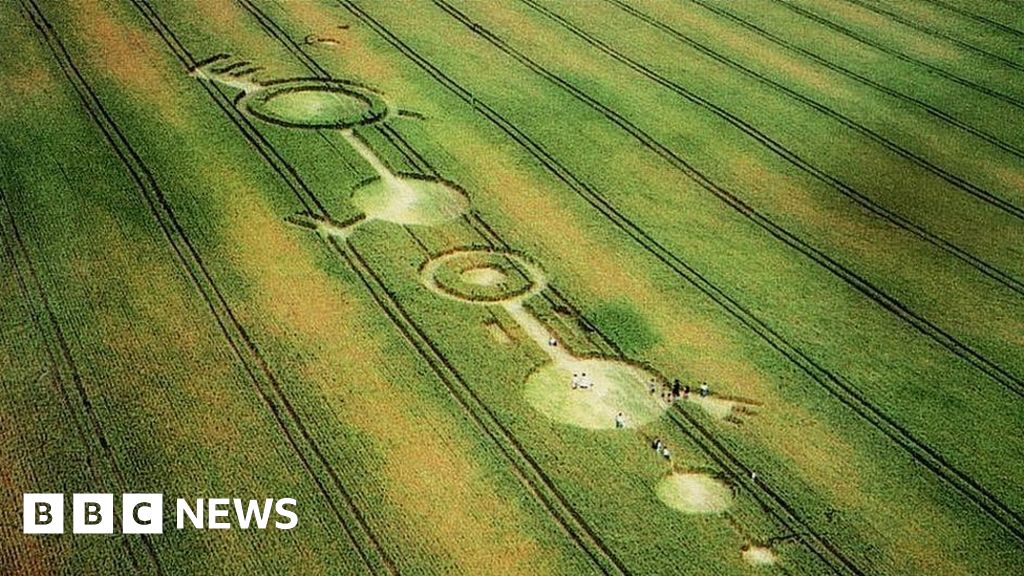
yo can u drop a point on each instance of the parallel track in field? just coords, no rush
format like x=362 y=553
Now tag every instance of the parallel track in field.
x=527 y=470
x=523 y=465
x=994 y=200
x=838 y=68
x=235 y=335
x=837 y=386
x=844 y=31
x=1007 y=280
x=982 y=19
x=891 y=304
x=928 y=30
x=60 y=362
x=770 y=501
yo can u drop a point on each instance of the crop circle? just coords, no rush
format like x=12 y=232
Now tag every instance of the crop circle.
x=604 y=389
x=411 y=200
x=315 y=104
x=695 y=493
x=758 y=555
x=483 y=276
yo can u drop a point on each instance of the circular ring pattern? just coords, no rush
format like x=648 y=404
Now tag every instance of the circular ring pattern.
x=313 y=103
x=483 y=276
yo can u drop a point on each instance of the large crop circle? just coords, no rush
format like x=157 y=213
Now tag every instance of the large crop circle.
x=611 y=387
x=315 y=104
x=411 y=200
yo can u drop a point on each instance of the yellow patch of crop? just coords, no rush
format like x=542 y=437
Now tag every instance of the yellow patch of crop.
x=349 y=49
x=840 y=472
x=126 y=55
x=153 y=341
x=788 y=195
x=764 y=52
x=547 y=44
x=32 y=555
x=864 y=19
x=24 y=78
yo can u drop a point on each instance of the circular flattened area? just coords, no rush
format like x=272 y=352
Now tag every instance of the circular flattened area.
x=611 y=387
x=759 y=556
x=483 y=276
x=695 y=493
x=411 y=201
x=315 y=104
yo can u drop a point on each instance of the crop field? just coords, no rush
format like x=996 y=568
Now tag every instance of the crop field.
x=451 y=274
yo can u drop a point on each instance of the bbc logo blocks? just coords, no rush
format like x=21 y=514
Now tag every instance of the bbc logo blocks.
x=142 y=513
x=93 y=513
x=43 y=513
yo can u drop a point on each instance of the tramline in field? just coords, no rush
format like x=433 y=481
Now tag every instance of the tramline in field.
x=531 y=287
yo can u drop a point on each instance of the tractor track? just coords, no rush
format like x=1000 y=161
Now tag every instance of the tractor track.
x=64 y=358
x=893 y=16
x=835 y=385
x=1012 y=101
x=982 y=19
x=957 y=182
x=1007 y=280
x=527 y=470
x=1010 y=381
x=191 y=262
x=839 y=69
x=769 y=501
x=793 y=522
x=474 y=220
x=704 y=439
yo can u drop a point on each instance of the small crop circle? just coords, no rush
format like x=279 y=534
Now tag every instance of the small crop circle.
x=482 y=276
x=695 y=493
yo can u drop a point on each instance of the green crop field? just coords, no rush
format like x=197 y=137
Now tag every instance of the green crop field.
x=432 y=270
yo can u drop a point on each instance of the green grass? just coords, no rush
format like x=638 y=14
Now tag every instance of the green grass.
x=625 y=326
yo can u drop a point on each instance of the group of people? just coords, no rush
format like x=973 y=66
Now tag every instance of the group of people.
x=661 y=450
x=677 y=390
x=581 y=381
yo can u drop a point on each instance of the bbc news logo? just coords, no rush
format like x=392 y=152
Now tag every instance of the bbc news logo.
x=144 y=514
